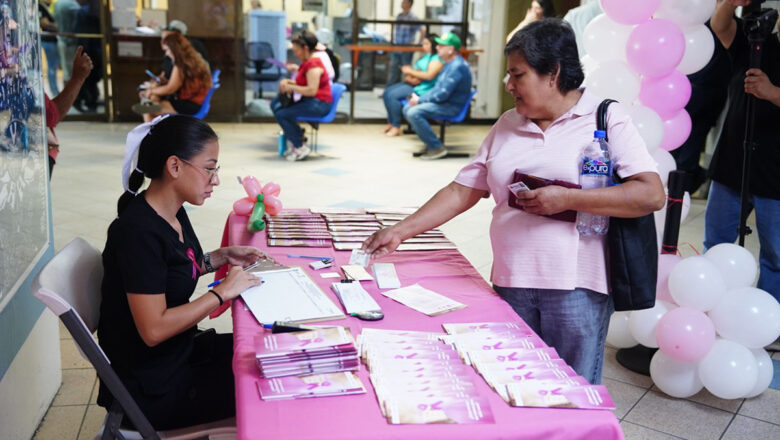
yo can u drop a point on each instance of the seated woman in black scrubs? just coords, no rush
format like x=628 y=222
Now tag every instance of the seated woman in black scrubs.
x=178 y=375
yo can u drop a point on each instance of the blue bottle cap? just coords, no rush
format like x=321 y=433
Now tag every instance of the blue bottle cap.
x=601 y=134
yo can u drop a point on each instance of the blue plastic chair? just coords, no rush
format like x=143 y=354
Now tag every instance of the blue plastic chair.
x=206 y=106
x=336 y=90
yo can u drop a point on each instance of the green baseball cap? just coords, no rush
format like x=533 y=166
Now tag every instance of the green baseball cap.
x=449 y=39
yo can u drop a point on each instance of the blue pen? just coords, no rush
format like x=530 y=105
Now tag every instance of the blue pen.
x=310 y=257
x=251 y=266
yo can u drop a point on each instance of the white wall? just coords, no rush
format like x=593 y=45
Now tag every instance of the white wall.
x=490 y=62
x=31 y=381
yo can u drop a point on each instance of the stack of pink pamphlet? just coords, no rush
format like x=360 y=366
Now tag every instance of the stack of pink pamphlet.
x=314 y=385
x=325 y=350
x=420 y=380
x=515 y=362
x=297 y=228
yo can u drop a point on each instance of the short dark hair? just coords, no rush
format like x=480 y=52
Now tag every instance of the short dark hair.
x=306 y=39
x=548 y=45
x=177 y=135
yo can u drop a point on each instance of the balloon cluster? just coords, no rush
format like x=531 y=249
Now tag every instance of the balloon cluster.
x=639 y=53
x=710 y=326
x=259 y=200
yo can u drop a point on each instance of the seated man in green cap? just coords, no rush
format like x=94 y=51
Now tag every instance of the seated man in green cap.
x=446 y=98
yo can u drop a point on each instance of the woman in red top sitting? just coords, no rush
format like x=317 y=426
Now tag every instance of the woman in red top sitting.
x=313 y=86
x=186 y=90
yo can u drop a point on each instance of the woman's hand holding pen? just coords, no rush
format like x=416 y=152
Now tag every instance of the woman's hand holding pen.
x=236 y=282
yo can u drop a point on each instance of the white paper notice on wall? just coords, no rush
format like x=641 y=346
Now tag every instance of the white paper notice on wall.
x=130 y=49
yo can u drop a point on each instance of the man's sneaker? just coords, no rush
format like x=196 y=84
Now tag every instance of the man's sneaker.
x=435 y=154
x=146 y=106
x=420 y=152
x=299 y=154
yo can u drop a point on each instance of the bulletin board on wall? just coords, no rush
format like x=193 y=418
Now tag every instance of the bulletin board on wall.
x=24 y=186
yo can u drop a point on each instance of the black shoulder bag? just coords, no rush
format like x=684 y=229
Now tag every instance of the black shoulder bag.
x=632 y=256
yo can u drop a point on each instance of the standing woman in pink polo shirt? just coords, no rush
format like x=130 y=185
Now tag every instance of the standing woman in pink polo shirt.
x=555 y=279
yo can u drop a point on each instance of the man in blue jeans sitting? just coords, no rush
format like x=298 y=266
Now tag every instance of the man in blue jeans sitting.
x=446 y=98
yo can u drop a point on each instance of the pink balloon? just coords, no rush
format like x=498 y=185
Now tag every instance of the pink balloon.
x=629 y=12
x=655 y=48
x=676 y=130
x=252 y=187
x=667 y=94
x=685 y=334
x=271 y=189
x=666 y=263
x=273 y=205
x=243 y=206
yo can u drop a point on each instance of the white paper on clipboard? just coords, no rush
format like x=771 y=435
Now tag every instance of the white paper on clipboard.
x=289 y=295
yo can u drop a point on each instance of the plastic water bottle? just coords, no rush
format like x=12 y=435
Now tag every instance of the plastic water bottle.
x=595 y=173
x=282 y=143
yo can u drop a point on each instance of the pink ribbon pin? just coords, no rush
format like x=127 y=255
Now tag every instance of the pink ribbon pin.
x=195 y=265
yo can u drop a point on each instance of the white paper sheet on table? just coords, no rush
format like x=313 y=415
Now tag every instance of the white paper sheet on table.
x=289 y=295
x=423 y=300
x=355 y=298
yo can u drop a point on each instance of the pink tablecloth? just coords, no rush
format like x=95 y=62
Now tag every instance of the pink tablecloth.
x=358 y=417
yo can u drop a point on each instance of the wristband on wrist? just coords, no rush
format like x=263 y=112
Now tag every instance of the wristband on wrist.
x=207 y=263
x=219 y=297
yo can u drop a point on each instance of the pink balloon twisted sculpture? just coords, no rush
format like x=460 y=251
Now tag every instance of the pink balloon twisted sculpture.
x=259 y=200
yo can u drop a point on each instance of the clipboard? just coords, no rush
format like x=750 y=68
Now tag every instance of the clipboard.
x=289 y=295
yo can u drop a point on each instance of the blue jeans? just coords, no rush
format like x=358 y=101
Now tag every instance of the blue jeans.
x=285 y=116
x=418 y=118
x=393 y=95
x=397 y=59
x=721 y=221
x=52 y=65
x=574 y=322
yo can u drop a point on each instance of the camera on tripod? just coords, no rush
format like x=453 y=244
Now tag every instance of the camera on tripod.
x=759 y=21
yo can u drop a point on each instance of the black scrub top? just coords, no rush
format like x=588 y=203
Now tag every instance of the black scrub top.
x=143 y=255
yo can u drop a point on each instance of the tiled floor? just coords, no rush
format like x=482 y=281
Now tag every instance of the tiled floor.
x=356 y=166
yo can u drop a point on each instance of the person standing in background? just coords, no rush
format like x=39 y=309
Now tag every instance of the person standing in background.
x=722 y=217
x=404 y=35
x=539 y=9
x=579 y=18
x=49 y=43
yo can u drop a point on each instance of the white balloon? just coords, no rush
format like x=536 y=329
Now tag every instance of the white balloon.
x=649 y=125
x=685 y=12
x=748 y=316
x=642 y=323
x=729 y=370
x=675 y=378
x=766 y=372
x=588 y=65
x=614 y=79
x=618 y=334
x=699 y=47
x=696 y=283
x=604 y=39
x=666 y=163
x=737 y=265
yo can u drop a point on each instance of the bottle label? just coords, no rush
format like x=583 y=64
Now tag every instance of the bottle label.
x=595 y=166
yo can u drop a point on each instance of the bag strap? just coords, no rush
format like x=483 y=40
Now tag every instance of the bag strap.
x=601 y=116
x=601 y=124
